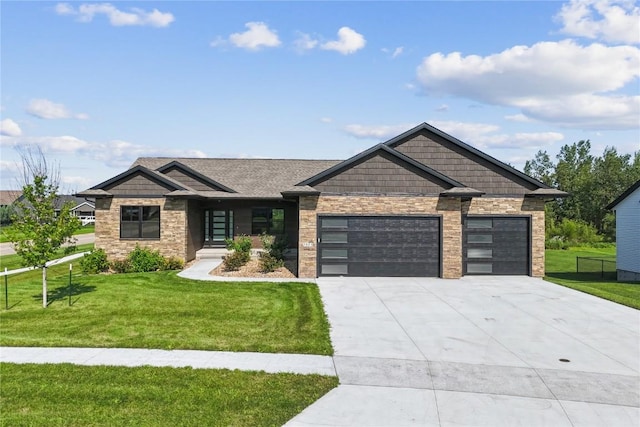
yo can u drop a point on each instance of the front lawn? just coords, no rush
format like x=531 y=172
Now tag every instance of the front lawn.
x=70 y=395
x=561 y=269
x=161 y=310
x=12 y=262
x=87 y=229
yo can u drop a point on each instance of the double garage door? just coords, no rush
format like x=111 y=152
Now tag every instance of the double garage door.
x=393 y=246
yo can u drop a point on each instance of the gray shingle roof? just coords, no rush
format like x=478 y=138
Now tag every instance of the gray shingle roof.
x=251 y=178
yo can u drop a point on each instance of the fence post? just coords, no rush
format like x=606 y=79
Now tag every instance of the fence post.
x=6 y=289
x=577 y=264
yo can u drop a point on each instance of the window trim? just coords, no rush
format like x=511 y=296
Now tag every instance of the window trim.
x=140 y=221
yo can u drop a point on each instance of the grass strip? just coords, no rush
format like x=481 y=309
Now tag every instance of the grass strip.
x=71 y=395
x=561 y=269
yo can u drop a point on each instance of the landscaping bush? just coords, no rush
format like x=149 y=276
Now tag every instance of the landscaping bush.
x=235 y=260
x=241 y=254
x=121 y=266
x=173 y=263
x=144 y=259
x=94 y=262
x=269 y=263
x=241 y=243
x=273 y=257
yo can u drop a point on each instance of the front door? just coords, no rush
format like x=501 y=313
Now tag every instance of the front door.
x=218 y=226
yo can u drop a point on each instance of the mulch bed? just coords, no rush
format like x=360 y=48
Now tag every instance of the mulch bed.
x=252 y=269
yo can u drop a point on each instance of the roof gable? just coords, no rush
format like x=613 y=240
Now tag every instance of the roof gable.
x=192 y=178
x=458 y=160
x=137 y=181
x=624 y=195
x=380 y=170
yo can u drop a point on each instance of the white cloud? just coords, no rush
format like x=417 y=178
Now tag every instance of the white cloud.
x=442 y=108
x=518 y=118
x=9 y=128
x=612 y=21
x=136 y=16
x=326 y=120
x=483 y=135
x=396 y=52
x=115 y=153
x=304 y=42
x=349 y=41
x=256 y=37
x=45 y=109
x=558 y=91
x=379 y=132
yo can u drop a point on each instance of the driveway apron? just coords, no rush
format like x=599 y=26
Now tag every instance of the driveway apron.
x=494 y=351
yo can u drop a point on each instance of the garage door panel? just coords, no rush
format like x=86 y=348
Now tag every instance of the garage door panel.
x=496 y=245
x=379 y=246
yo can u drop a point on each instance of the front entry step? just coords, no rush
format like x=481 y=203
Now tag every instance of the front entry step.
x=211 y=253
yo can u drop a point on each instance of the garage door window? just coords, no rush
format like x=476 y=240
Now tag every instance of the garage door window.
x=335 y=253
x=334 y=223
x=479 y=238
x=335 y=269
x=473 y=223
x=479 y=253
x=332 y=237
x=475 y=268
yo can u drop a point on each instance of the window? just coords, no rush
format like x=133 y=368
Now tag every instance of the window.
x=140 y=222
x=267 y=220
x=479 y=223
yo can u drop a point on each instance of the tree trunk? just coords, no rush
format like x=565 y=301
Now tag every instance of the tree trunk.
x=44 y=287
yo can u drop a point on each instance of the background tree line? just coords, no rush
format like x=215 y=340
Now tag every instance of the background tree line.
x=593 y=183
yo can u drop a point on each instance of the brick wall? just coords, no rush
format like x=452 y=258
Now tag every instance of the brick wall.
x=173 y=227
x=449 y=209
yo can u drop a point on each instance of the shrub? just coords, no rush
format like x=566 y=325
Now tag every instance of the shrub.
x=94 y=262
x=241 y=243
x=269 y=263
x=556 y=243
x=572 y=233
x=173 y=263
x=121 y=266
x=144 y=259
x=235 y=260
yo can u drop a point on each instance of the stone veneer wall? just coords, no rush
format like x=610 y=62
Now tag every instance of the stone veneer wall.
x=451 y=210
x=173 y=227
x=448 y=208
x=533 y=207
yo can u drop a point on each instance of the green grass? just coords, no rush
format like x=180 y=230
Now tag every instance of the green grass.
x=561 y=269
x=69 y=395
x=89 y=228
x=12 y=262
x=161 y=310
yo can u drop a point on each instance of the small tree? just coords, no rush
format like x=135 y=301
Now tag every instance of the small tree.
x=38 y=232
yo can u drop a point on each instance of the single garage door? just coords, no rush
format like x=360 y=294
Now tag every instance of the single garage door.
x=496 y=245
x=382 y=246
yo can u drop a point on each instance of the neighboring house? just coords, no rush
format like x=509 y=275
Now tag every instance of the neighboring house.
x=7 y=197
x=421 y=204
x=627 y=209
x=83 y=208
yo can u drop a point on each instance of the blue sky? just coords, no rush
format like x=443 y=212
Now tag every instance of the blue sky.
x=96 y=85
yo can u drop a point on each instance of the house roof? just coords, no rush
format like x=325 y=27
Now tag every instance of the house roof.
x=74 y=200
x=624 y=195
x=373 y=150
x=276 y=178
x=503 y=166
x=247 y=178
x=7 y=197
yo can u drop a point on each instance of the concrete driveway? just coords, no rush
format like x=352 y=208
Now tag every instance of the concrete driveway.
x=494 y=351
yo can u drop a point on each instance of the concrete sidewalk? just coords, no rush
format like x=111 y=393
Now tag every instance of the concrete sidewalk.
x=268 y=362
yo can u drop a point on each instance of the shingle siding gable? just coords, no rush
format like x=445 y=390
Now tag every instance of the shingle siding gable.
x=381 y=174
x=137 y=184
x=461 y=165
x=189 y=180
